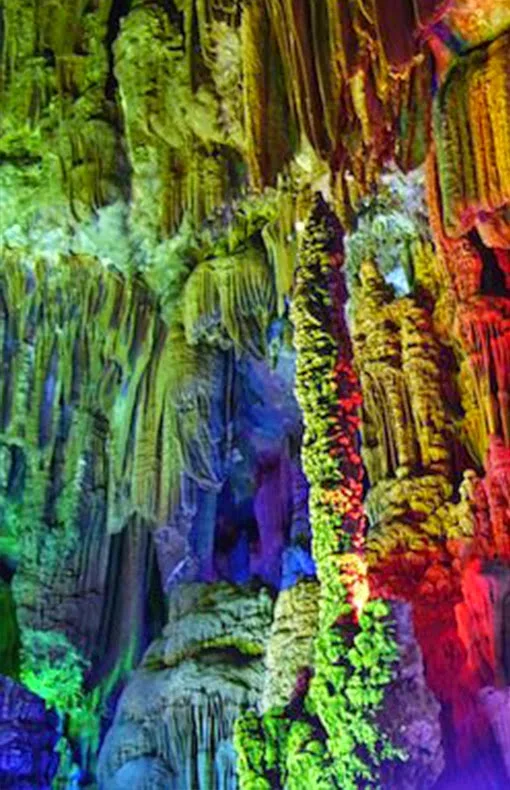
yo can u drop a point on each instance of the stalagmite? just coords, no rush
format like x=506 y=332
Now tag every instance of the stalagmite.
x=180 y=706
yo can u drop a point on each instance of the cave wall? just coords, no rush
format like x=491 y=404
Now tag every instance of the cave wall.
x=203 y=205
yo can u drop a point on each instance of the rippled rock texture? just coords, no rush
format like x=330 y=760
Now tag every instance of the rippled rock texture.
x=175 y=719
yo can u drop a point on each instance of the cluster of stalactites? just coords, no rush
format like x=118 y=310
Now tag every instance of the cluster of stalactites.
x=484 y=330
x=407 y=428
x=469 y=196
x=339 y=76
x=53 y=76
x=257 y=83
x=404 y=426
x=230 y=300
x=472 y=138
x=212 y=96
x=180 y=91
x=84 y=346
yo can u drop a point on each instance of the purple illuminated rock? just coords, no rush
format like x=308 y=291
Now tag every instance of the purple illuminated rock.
x=28 y=736
x=411 y=715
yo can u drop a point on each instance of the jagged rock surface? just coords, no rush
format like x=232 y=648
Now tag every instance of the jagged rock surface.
x=290 y=646
x=412 y=715
x=175 y=718
x=28 y=736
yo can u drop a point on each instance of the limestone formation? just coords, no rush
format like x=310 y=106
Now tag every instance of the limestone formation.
x=290 y=648
x=28 y=736
x=254 y=349
x=175 y=719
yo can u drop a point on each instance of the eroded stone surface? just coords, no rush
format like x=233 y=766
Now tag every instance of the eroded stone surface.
x=290 y=646
x=412 y=715
x=180 y=706
x=28 y=736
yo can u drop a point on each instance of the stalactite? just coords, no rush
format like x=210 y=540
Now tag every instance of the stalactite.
x=297 y=31
x=472 y=137
x=482 y=327
x=460 y=261
x=266 y=104
x=230 y=300
x=281 y=245
x=58 y=97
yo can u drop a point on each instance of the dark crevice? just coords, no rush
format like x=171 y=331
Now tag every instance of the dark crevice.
x=493 y=278
x=175 y=16
x=17 y=473
x=119 y=9
x=6 y=571
x=155 y=601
